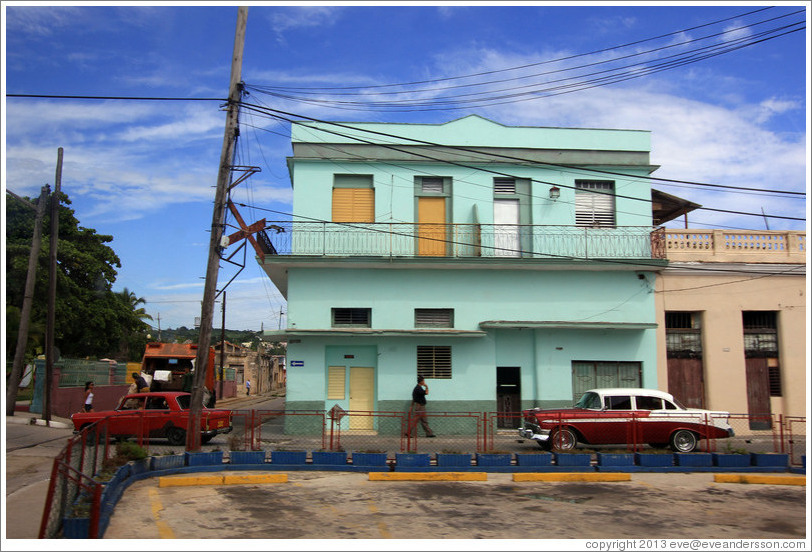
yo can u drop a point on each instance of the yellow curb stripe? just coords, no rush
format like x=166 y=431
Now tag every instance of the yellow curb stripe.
x=164 y=531
x=573 y=476
x=255 y=479
x=243 y=479
x=428 y=476
x=799 y=480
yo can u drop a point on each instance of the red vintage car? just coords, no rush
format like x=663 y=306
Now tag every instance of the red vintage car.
x=157 y=414
x=624 y=416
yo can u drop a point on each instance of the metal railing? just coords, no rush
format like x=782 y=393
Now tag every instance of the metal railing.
x=465 y=240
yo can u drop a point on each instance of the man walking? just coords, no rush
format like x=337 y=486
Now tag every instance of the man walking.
x=247 y=388
x=418 y=410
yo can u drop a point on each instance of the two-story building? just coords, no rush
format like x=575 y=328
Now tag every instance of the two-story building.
x=510 y=266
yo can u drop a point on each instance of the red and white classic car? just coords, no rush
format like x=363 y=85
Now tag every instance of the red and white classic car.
x=157 y=414
x=624 y=416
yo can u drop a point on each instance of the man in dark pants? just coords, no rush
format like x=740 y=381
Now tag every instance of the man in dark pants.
x=418 y=411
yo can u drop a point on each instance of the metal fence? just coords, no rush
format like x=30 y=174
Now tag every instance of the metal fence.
x=77 y=479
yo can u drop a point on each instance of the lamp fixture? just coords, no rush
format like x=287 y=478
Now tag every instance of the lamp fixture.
x=555 y=193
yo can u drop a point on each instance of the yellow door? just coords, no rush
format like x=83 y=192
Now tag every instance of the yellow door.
x=431 y=226
x=362 y=396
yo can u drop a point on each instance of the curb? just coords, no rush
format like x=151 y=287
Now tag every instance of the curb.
x=760 y=479
x=574 y=476
x=25 y=420
x=247 y=479
x=428 y=476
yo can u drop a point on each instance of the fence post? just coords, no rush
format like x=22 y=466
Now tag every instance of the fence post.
x=95 y=511
x=781 y=431
x=49 y=499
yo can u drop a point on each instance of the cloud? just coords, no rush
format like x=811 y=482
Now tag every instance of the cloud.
x=38 y=21
x=291 y=18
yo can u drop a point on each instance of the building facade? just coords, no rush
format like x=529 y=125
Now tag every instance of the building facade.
x=731 y=313
x=511 y=267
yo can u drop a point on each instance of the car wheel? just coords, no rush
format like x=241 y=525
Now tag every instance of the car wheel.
x=563 y=439
x=683 y=441
x=176 y=436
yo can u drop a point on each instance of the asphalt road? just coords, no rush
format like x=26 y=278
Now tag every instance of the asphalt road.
x=342 y=505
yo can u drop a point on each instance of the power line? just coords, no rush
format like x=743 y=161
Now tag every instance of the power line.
x=128 y=98
x=276 y=114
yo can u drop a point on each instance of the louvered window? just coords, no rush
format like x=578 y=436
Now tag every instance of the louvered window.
x=433 y=318
x=504 y=185
x=353 y=318
x=434 y=362
x=594 y=203
x=336 y=386
x=431 y=185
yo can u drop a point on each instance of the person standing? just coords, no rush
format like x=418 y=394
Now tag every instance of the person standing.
x=418 y=410
x=89 y=385
x=247 y=388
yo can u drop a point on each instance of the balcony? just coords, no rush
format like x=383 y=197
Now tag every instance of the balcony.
x=741 y=246
x=329 y=239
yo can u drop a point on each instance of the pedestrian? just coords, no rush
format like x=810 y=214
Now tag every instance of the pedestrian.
x=418 y=409
x=140 y=383
x=247 y=387
x=89 y=385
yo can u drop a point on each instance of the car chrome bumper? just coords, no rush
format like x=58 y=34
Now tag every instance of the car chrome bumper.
x=534 y=433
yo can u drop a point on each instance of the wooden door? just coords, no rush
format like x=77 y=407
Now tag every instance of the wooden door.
x=686 y=381
x=758 y=393
x=362 y=396
x=431 y=228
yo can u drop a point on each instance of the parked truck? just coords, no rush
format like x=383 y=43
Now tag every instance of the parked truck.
x=171 y=367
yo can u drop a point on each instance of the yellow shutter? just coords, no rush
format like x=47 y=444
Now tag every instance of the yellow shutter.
x=336 y=383
x=353 y=205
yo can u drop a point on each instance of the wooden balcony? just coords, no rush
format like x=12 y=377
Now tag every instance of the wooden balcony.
x=737 y=246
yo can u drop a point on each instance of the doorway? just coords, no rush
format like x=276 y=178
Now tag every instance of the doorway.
x=362 y=396
x=431 y=228
x=508 y=397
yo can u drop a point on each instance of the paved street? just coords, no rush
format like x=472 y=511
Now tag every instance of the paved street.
x=341 y=505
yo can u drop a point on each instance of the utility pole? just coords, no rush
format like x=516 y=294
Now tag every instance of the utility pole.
x=217 y=227
x=222 y=345
x=51 y=317
x=28 y=299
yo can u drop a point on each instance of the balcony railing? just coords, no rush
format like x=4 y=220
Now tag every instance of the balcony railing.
x=736 y=246
x=332 y=239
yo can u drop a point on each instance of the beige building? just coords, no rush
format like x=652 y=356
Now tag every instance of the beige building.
x=731 y=314
x=265 y=371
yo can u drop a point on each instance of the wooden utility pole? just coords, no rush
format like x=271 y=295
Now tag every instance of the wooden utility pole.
x=222 y=346
x=51 y=317
x=28 y=299
x=217 y=228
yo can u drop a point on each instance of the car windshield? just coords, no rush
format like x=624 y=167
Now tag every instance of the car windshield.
x=589 y=400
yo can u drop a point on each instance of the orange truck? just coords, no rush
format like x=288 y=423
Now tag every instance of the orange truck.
x=171 y=366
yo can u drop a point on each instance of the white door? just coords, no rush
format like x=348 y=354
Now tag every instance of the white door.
x=506 y=228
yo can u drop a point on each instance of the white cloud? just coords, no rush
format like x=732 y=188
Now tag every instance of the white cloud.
x=286 y=19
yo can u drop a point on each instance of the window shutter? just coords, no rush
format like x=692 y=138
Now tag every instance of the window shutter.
x=431 y=185
x=434 y=318
x=336 y=378
x=353 y=205
x=434 y=362
x=358 y=318
x=594 y=203
x=504 y=185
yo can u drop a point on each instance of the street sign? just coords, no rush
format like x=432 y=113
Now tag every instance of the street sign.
x=336 y=413
x=297 y=363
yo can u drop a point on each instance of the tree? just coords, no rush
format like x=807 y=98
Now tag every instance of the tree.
x=90 y=318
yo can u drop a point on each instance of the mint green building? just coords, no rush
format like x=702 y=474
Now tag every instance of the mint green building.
x=512 y=267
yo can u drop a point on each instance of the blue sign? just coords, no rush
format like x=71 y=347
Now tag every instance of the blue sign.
x=297 y=363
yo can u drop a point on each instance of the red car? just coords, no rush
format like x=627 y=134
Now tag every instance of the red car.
x=622 y=416
x=158 y=414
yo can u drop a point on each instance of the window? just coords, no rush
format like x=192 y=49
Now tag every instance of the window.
x=431 y=185
x=649 y=403
x=336 y=378
x=504 y=185
x=433 y=318
x=683 y=334
x=352 y=318
x=434 y=361
x=774 y=373
x=619 y=402
x=353 y=198
x=760 y=334
x=595 y=203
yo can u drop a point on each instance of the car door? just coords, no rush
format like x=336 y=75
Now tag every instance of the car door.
x=615 y=420
x=156 y=415
x=655 y=422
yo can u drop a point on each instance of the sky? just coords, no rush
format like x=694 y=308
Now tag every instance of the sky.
x=144 y=171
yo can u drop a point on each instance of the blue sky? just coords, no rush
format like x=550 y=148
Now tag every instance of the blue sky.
x=144 y=172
